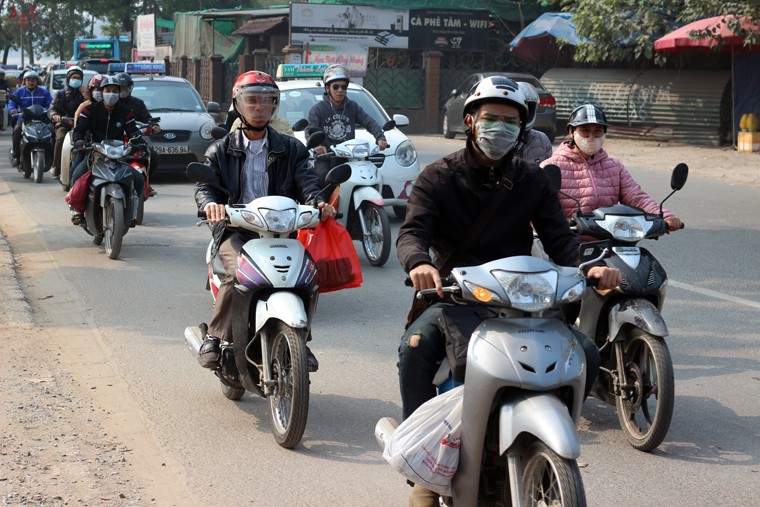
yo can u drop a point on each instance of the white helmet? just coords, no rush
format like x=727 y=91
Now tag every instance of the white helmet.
x=497 y=89
x=335 y=72
x=531 y=99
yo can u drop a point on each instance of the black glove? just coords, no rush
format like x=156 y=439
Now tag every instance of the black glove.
x=79 y=145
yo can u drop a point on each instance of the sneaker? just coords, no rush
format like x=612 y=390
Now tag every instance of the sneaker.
x=311 y=360
x=151 y=191
x=210 y=352
x=14 y=162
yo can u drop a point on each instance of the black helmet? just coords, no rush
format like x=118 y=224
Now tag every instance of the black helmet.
x=127 y=83
x=587 y=114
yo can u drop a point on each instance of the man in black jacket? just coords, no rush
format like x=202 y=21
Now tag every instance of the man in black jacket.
x=447 y=198
x=65 y=104
x=250 y=162
x=103 y=120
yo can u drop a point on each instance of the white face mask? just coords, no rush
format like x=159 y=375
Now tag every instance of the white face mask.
x=110 y=98
x=97 y=96
x=588 y=145
x=496 y=138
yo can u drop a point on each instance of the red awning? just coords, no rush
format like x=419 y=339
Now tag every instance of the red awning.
x=257 y=26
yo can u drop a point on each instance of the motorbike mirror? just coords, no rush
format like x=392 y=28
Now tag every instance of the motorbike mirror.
x=201 y=173
x=389 y=125
x=338 y=174
x=218 y=132
x=678 y=178
x=555 y=176
x=155 y=119
x=315 y=139
x=593 y=250
x=300 y=125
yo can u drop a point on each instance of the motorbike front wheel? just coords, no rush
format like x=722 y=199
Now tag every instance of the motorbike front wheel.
x=140 y=210
x=113 y=226
x=647 y=409
x=549 y=479
x=377 y=238
x=38 y=163
x=289 y=403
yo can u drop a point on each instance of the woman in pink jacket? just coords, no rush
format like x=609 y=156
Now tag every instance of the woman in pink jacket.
x=592 y=176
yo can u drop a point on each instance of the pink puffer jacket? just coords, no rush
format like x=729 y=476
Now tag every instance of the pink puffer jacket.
x=599 y=181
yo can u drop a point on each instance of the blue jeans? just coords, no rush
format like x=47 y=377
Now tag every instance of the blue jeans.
x=423 y=347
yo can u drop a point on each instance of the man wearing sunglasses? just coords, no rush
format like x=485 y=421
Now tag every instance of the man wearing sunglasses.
x=338 y=116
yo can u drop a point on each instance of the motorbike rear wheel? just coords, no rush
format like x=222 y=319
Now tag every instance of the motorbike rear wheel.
x=38 y=163
x=549 y=479
x=289 y=403
x=377 y=241
x=232 y=393
x=113 y=226
x=647 y=410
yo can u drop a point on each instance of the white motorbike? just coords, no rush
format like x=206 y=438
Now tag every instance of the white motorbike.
x=277 y=284
x=359 y=201
x=523 y=385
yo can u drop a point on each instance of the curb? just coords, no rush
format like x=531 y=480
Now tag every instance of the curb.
x=14 y=308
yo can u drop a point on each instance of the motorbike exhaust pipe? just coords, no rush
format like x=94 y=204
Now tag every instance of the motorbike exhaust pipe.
x=194 y=340
x=384 y=429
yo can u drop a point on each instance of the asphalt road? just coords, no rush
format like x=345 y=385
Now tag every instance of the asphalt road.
x=224 y=450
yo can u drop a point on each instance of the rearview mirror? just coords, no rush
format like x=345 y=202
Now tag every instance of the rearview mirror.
x=390 y=125
x=201 y=173
x=300 y=125
x=218 y=132
x=315 y=139
x=678 y=178
x=555 y=176
x=338 y=174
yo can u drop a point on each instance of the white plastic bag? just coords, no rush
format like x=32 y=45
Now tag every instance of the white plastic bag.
x=425 y=447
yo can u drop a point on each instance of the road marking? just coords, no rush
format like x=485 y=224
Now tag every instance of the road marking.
x=714 y=294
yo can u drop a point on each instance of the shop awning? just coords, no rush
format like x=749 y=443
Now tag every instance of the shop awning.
x=257 y=26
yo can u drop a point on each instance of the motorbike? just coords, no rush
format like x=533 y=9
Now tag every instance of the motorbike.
x=359 y=200
x=523 y=384
x=276 y=279
x=112 y=200
x=139 y=159
x=3 y=109
x=36 y=146
x=626 y=323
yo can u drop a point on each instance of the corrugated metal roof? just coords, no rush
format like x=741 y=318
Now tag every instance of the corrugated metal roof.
x=257 y=26
x=683 y=106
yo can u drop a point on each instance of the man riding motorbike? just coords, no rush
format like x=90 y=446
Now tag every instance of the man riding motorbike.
x=252 y=161
x=26 y=96
x=535 y=146
x=65 y=104
x=445 y=202
x=105 y=120
x=140 y=110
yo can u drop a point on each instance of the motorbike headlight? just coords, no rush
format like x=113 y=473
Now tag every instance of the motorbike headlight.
x=279 y=221
x=206 y=130
x=360 y=150
x=529 y=292
x=406 y=155
x=625 y=228
x=252 y=218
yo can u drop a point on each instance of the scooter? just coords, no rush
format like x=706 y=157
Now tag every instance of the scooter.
x=277 y=285
x=637 y=372
x=523 y=385
x=112 y=200
x=359 y=200
x=139 y=159
x=36 y=146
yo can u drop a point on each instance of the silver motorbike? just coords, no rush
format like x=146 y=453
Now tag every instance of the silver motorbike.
x=523 y=386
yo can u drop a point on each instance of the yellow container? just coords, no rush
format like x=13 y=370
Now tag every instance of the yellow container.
x=743 y=122
x=752 y=122
x=749 y=141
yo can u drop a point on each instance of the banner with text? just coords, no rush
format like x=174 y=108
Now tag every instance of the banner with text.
x=353 y=57
x=349 y=24
x=448 y=30
x=145 y=26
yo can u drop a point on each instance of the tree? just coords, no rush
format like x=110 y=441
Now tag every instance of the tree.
x=625 y=30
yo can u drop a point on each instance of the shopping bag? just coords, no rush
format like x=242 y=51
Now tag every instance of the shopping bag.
x=77 y=196
x=425 y=447
x=330 y=245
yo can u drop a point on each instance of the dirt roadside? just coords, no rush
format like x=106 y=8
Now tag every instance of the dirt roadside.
x=70 y=431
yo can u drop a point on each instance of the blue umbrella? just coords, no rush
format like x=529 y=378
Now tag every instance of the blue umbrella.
x=537 y=42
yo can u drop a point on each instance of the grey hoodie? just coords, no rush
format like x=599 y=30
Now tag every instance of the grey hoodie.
x=339 y=124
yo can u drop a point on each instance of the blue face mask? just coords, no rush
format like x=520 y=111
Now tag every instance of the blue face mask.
x=75 y=83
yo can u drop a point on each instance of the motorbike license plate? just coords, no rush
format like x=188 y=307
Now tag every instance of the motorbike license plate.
x=171 y=150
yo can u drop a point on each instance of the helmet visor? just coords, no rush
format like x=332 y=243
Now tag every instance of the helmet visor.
x=257 y=103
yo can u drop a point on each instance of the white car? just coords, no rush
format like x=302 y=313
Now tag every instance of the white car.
x=55 y=80
x=398 y=163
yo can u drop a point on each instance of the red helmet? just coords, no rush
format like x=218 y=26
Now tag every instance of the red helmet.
x=95 y=82
x=255 y=82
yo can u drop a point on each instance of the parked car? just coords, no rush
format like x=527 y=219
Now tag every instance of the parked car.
x=398 y=163
x=453 y=119
x=186 y=121
x=55 y=80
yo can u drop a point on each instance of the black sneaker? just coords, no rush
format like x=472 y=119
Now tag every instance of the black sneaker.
x=311 y=360
x=14 y=162
x=151 y=191
x=209 y=354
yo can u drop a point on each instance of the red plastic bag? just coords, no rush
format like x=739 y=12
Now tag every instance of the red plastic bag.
x=77 y=196
x=333 y=252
